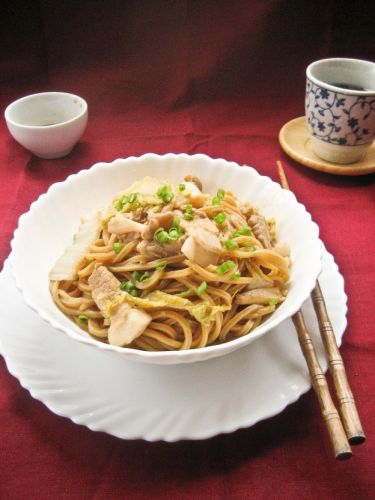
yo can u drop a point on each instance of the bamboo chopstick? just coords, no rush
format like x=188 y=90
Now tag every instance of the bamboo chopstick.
x=344 y=394
x=347 y=407
x=353 y=429
x=336 y=432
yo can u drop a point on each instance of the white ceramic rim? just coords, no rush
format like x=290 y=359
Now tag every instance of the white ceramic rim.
x=30 y=97
x=333 y=88
x=166 y=357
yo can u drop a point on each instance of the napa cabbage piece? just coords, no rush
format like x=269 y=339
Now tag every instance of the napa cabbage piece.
x=67 y=265
x=203 y=312
x=146 y=186
x=145 y=189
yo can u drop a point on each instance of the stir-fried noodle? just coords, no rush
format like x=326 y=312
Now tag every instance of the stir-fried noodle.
x=168 y=267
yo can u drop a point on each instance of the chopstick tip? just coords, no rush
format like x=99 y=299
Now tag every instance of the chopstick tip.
x=359 y=439
x=344 y=455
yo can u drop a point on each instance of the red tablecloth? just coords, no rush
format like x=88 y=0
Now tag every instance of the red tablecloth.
x=219 y=78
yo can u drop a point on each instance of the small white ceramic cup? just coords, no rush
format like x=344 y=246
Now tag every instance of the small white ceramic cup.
x=340 y=108
x=48 y=124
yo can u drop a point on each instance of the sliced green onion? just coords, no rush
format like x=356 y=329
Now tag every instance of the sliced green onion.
x=126 y=285
x=202 y=288
x=273 y=302
x=245 y=231
x=181 y=187
x=161 y=265
x=176 y=223
x=129 y=287
x=161 y=236
x=136 y=275
x=83 y=318
x=225 y=267
x=185 y=293
x=188 y=212
x=141 y=277
x=219 y=196
x=230 y=244
x=121 y=203
x=117 y=247
x=220 y=218
x=173 y=234
x=235 y=275
x=164 y=194
x=133 y=197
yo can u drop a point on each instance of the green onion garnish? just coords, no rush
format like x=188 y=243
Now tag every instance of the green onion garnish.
x=230 y=244
x=161 y=236
x=202 y=288
x=83 y=318
x=181 y=187
x=164 y=194
x=173 y=234
x=219 y=196
x=161 y=265
x=245 y=231
x=141 y=277
x=188 y=212
x=176 y=223
x=220 y=218
x=121 y=203
x=225 y=267
x=185 y=293
x=129 y=287
x=235 y=275
x=117 y=247
x=272 y=302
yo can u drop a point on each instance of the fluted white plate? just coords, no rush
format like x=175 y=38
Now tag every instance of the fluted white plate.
x=162 y=402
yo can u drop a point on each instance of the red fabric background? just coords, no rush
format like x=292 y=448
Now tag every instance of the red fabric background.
x=219 y=78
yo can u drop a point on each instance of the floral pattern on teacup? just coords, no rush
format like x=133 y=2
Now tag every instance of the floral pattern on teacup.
x=337 y=118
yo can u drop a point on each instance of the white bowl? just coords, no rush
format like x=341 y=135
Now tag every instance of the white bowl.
x=48 y=124
x=47 y=229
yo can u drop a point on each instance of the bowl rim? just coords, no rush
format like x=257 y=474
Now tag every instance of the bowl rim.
x=161 y=357
x=30 y=97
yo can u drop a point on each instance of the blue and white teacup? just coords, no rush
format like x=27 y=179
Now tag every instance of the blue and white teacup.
x=340 y=108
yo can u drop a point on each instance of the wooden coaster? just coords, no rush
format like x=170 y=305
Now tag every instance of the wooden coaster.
x=295 y=141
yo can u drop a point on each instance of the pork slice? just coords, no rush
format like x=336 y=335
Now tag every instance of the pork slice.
x=153 y=250
x=260 y=228
x=104 y=285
